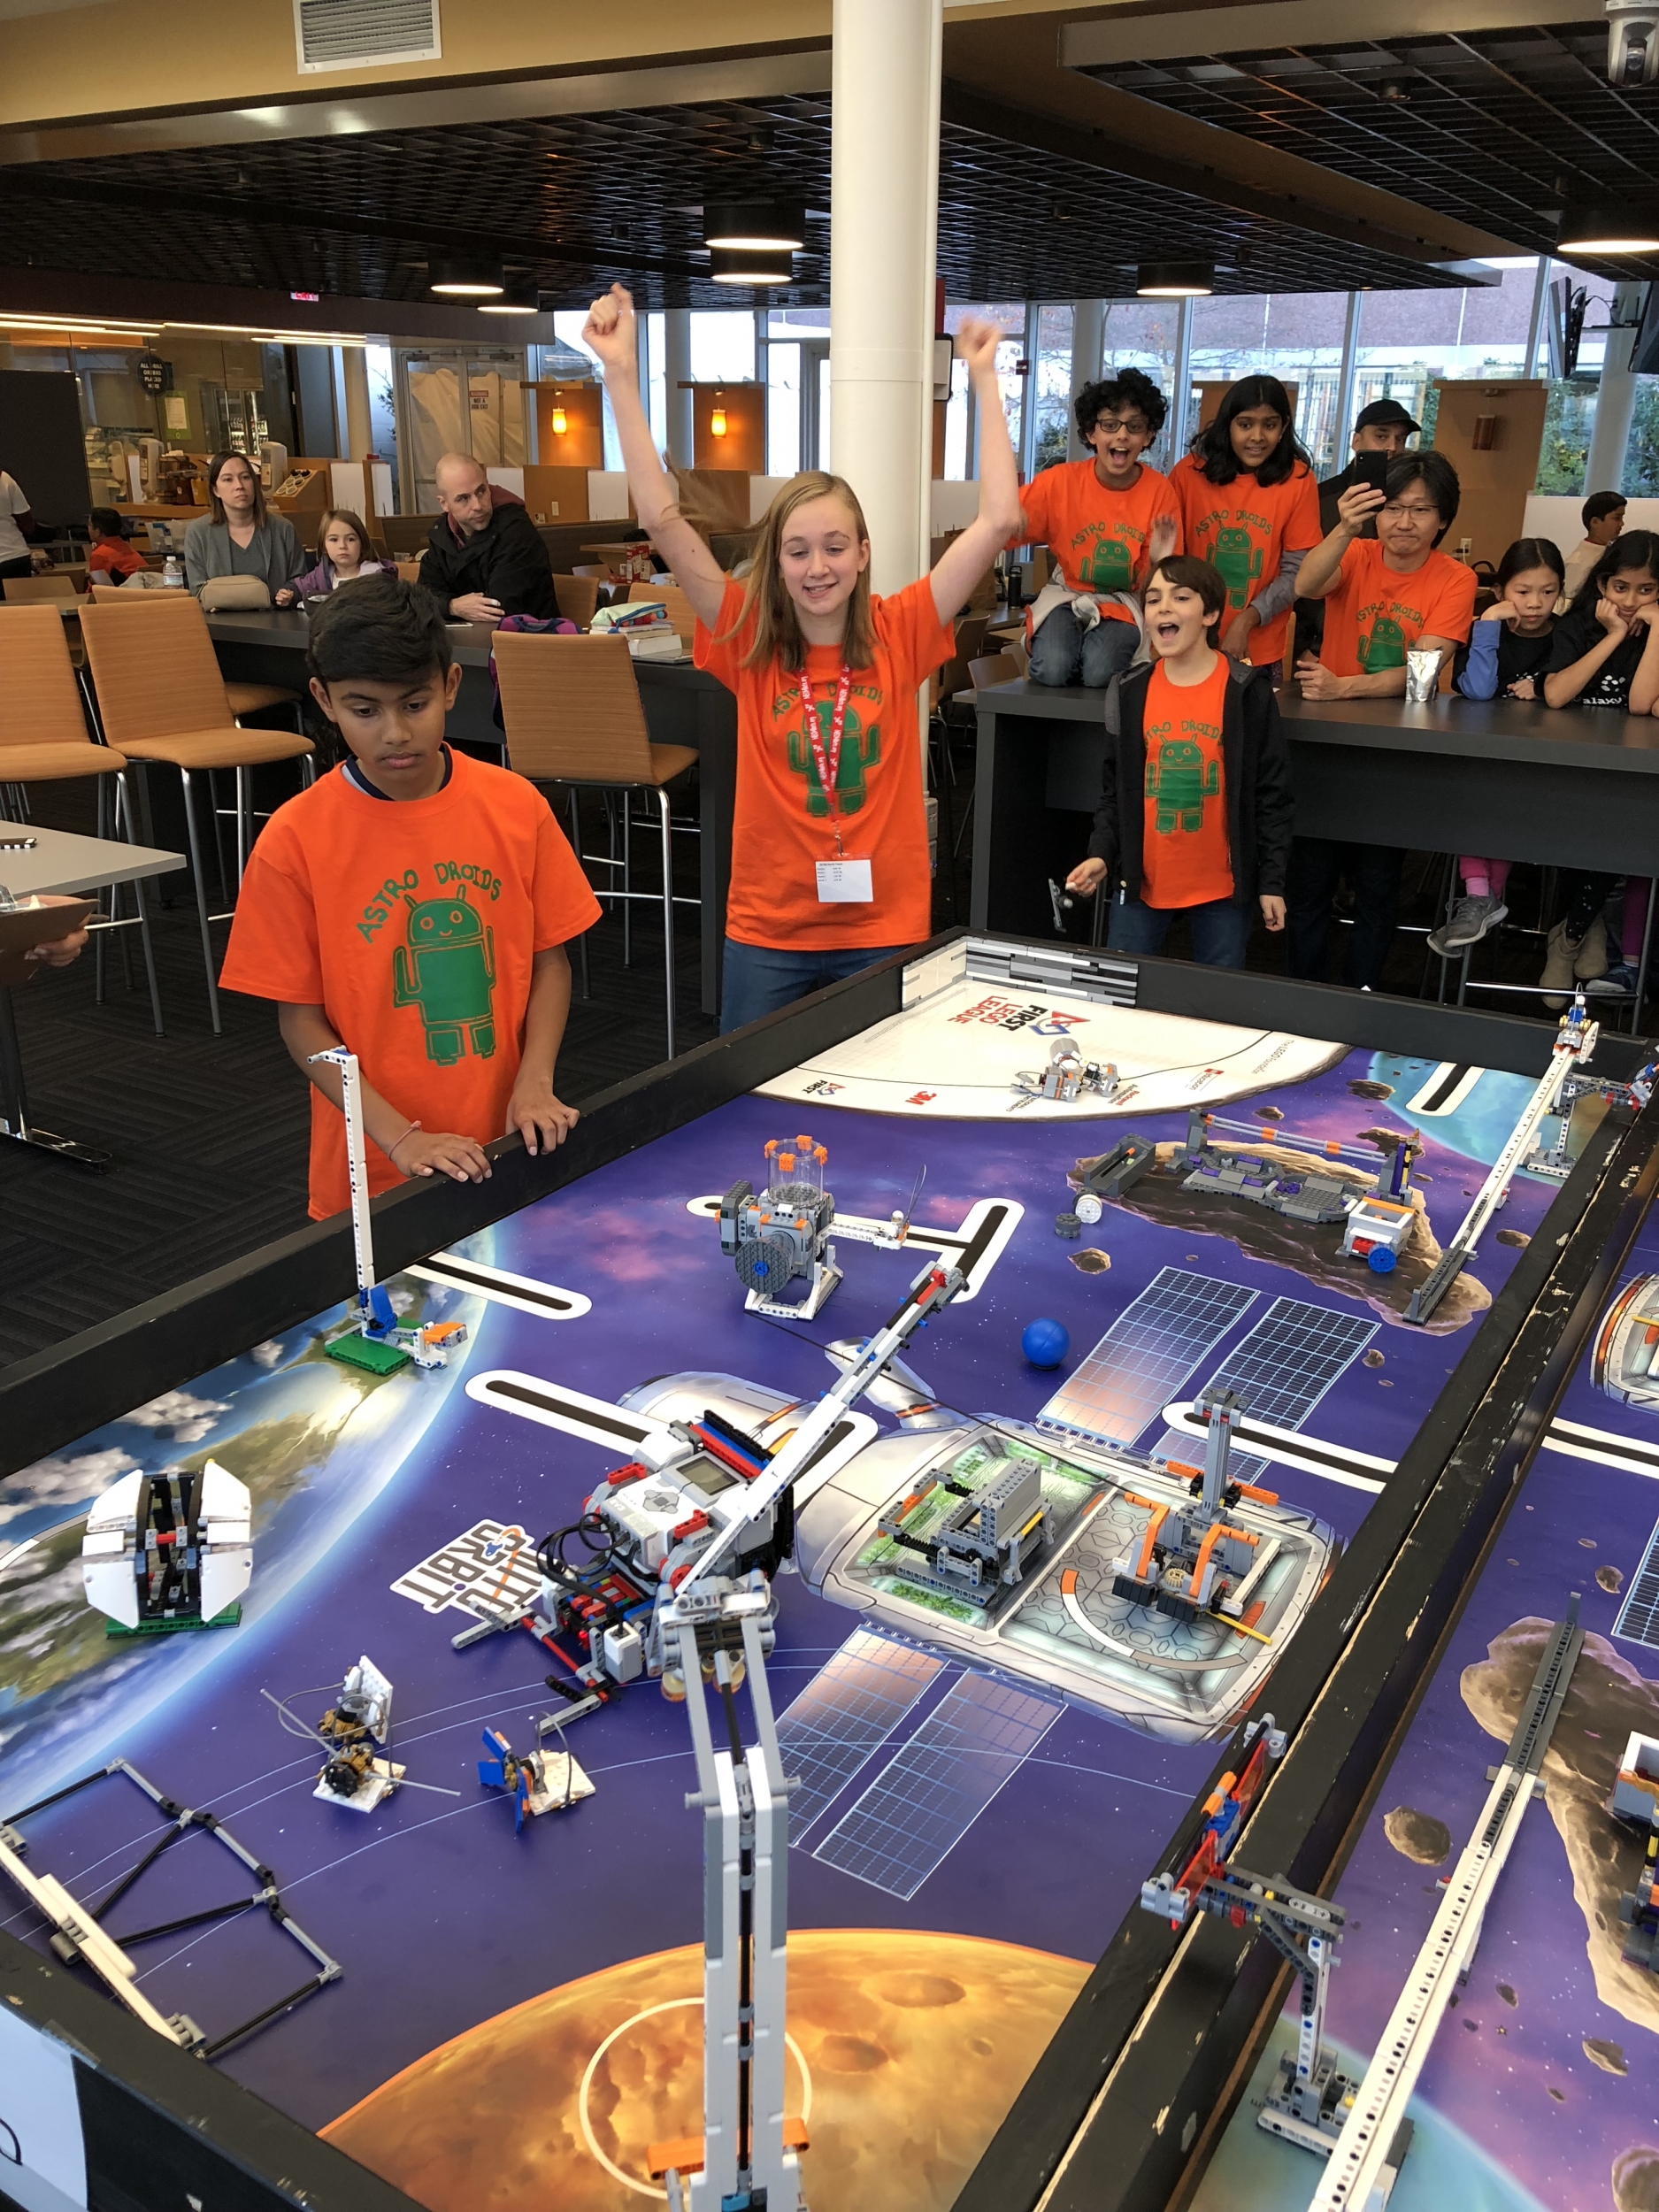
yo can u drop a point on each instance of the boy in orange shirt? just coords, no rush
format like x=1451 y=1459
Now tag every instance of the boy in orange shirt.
x=1195 y=807
x=414 y=905
x=1106 y=522
x=1383 y=596
x=110 y=558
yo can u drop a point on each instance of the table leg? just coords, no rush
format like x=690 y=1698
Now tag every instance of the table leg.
x=14 y=1107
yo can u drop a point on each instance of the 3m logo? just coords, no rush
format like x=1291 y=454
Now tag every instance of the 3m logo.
x=921 y=1098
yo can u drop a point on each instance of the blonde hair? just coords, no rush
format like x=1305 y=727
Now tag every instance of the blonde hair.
x=767 y=605
x=353 y=522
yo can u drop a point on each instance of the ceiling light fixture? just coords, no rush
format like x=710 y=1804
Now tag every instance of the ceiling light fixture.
x=1602 y=226
x=732 y=266
x=517 y=299
x=465 y=280
x=1175 y=280
x=756 y=226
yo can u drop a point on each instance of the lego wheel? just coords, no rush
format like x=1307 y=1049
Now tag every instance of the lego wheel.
x=766 y=1265
x=1088 y=1208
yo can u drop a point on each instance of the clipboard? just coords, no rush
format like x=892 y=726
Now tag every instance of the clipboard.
x=23 y=927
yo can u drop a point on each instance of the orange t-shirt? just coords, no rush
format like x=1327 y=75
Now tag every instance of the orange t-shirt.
x=1098 y=536
x=781 y=824
x=1241 y=529
x=1184 y=858
x=413 y=924
x=1375 y=614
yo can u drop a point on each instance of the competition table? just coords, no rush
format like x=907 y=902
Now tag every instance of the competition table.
x=682 y=707
x=978 y=1806
x=1498 y=776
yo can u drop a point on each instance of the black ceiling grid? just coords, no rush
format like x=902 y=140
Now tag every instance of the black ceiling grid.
x=573 y=202
x=1480 y=125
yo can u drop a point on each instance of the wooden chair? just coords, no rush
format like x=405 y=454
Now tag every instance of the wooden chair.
x=408 y=571
x=159 y=696
x=997 y=668
x=577 y=598
x=44 y=738
x=597 y=569
x=20 y=590
x=239 y=698
x=677 y=605
x=571 y=714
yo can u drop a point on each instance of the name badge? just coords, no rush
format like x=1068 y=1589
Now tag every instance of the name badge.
x=844 y=883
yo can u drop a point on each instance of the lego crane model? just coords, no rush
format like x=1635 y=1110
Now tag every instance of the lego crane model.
x=746 y=2159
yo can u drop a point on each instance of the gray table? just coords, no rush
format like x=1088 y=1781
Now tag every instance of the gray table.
x=683 y=706
x=1562 y=787
x=61 y=861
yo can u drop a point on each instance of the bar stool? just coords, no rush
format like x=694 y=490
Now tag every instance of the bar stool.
x=571 y=714
x=159 y=696
x=44 y=738
x=241 y=698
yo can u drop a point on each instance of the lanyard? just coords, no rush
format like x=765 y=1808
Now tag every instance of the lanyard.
x=828 y=765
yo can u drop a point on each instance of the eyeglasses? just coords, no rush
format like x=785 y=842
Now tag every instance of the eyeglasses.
x=1135 y=425
x=1395 y=507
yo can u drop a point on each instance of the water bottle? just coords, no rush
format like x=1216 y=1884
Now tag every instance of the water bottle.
x=172 y=573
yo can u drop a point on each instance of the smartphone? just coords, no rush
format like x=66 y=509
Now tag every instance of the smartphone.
x=1372 y=469
x=13 y=841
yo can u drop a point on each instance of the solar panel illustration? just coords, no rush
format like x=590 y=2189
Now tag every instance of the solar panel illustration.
x=1139 y=1364
x=923 y=1803
x=1638 y=1621
x=844 y=1716
x=1280 y=1371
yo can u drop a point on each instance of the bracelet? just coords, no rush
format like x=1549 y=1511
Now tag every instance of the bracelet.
x=391 y=1150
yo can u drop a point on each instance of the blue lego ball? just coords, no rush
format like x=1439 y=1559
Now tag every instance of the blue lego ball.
x=1380 y=1260
x=1045 y=1343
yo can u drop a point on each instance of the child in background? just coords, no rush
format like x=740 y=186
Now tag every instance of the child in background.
x=413 y=904
x=1505 y=656
x=1604 y=656
x=344 y=545
x=829 y=833
x=1382 y=597
x=1106 y=522
x=1602 y=515
x=110 y=558
x=1250 y=507
x=1195 y=808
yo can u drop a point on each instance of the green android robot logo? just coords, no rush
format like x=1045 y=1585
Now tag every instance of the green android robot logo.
x=860 y=750
x=1238 y=559
x=448 y=970
x=1384 y=648
x=1110 y=565
x=1180 y=782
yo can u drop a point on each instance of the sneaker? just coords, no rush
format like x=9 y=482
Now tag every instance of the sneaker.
x=1473 y=918
x=1592 y=958
x=1619 y=982
x=1562 y=951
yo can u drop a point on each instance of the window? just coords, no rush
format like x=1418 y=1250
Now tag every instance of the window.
x=1296 y=336
x=1010 y=317
x=1409 y=339
x=1051 y=387
x=722 y=346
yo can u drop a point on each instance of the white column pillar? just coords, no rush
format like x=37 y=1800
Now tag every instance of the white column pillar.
x=884 y=188
x=676 y=373
x=1181 y=425
x=1088 y=344
x=1616 y=400
x=359 y=429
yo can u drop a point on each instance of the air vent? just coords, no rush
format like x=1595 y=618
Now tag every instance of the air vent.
x=336 y=34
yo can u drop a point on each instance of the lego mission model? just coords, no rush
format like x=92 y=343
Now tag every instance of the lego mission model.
x=170 y=1550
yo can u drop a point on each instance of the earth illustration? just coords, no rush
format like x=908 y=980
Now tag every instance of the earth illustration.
x=906 y=2052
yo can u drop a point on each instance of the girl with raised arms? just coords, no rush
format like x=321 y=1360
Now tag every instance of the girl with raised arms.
x=829 y=832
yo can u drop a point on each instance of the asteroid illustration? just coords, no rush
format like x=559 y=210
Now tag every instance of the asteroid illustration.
x=1416 y=1835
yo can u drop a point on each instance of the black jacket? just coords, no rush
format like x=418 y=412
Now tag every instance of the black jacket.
x=1256 y=774
x=507 y=561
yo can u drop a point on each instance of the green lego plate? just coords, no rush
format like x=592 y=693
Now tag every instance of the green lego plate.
x=229 y=1619
x=364 y=1351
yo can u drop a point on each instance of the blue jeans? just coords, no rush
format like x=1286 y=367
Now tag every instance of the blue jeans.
x=1221 y=930
x=756 y=979
x=1062 y=652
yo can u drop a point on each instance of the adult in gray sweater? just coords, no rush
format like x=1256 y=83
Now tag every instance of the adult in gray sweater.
x=237 y=536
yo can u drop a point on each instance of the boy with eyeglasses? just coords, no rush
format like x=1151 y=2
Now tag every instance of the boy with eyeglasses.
x=1107 y=522
x=1383 y=597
